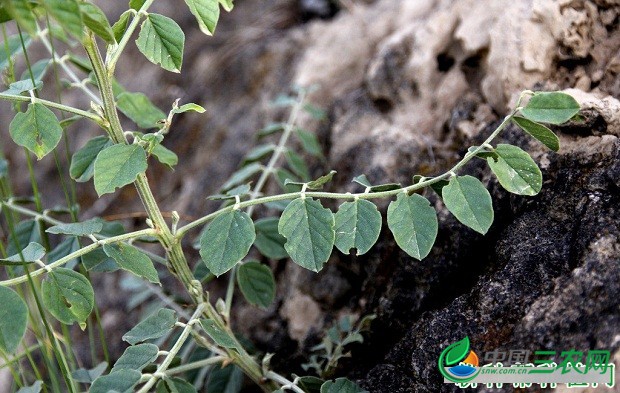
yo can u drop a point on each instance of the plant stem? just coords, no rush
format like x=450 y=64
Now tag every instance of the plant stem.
x=51 y=104
x=286 y=384
x=197 y=364
x=349 y=196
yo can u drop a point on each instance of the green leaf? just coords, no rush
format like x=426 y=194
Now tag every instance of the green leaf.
x=136 y=357
x=190 y=107
x=96 y=21
x=268 y=240
x=227 y=5
x=553 y=108
x=12 y=47
x=225 y=380
x=37 y=129
x=175 y=385
x=66 y=247
x=219 y=336
x=165 y=156
x=25 y=232
x=358 y=225
x=32 y=253
x=538 y=131
x=470 y=202
x=117 y=166
x=207 y=13
x=83 y=375
x=297 y=165
x=321 y=181
x=68 y=296
x=13 y=320
x=413 y=221
x=161 y=40
x=310 y=143
x=21 y=11
x=242 y=175
x=310 y=384
x=22 y=86
x=136 y=4
x=341 y=385
x=309 y=231
x=34 y=388
x=259 y=152
x=121 y=381
x=154 y=326
x=88 y=227
x=257 y=283
x=363 y=181
x=140 y=109
x=98 y=261
x=516 y=170
x=457 y=352
x=226 y=241
x=133 y=260
x=120 y=26
x=83 y=161
x=67 y=14
x=271 y=129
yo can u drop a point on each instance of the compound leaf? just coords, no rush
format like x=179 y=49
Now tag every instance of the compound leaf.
x=516 y=170
x=37 y=129
x=358 y=225
x=154 y=326
x=553 y=108
x=117 y=166
x=257 y=283
x=68 y=296
x=413 y=221
x=13 y=320
x=309 y=231
x=470 y=202
x=161 y=40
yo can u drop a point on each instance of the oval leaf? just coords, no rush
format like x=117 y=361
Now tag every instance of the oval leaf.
x=117 y=166
x=358 y=225
x=413 y=221
x=83 y=161
x=207 y=12
x=470 y=202
x=516 y=170
x=140 y=109
x=341 y=385
x=133 y=260
x=96 y=21
x=161 y=40
x=226 y=241
x=121 y=381
x=268 y=240
x=154 y=326
x=136 y=357
x=219 y=336
x=553 y=108
x=13 y=320
x=257 y=283
x=88 y=227
x=538 y=131
x=309 y=231
x=67 y=14
x=68 y=296
x=32 y=253
x=37 y=129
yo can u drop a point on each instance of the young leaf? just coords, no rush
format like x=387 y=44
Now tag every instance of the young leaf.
x=161 y=40
x=83 y=161
x=268 y=240
x=165 y=156
x=207 y=12
x=341 y=385
x=321 y=181
x=516 y=170
x=133 y=260
x=121 y=381
x=226 y=241
x=21 y=11
x=154 y=326
x=191 y=107
x=358 y=225
x=220 y=337
x=140 y=109
x=553 y=108
x=68 y=296
x=257 y=283
x=37 y=129
x=83 y=375
x=309 y=231
x=88 y=227
x=32 y=253
x=228 y=379
x=13 y=320
x=96 y=21
x=470 y=202
x=413 y=221
x=136 y=357
x=538 y=131
x=117 y=166
x=67 y=14
x=121 y=25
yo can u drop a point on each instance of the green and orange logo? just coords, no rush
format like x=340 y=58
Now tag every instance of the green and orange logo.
x=458 y=363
